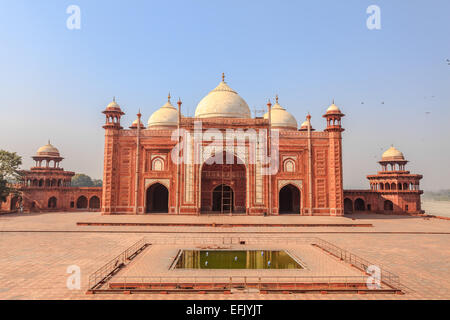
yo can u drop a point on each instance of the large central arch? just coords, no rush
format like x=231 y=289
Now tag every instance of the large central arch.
x=157 y=199
x=229 y=177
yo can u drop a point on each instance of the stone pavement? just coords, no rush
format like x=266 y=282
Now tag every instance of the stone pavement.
x=35 y=251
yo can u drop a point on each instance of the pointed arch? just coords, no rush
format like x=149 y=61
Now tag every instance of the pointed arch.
x=289 y=199
x=82 y=202
x=157 y=199
x=52 y=203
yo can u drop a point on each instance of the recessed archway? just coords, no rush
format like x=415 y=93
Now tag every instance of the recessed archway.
x=82 y=202
x=223 y=199
x=157 y=199
x=348 y=205
x=94 y=202
x=14 y=203
x=231 y=172
x=289 y=200
x=360 y=205
x=52 y=201
x=388 y=205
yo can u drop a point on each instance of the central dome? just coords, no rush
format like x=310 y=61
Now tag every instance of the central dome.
x=222 y=102
x=47 y=151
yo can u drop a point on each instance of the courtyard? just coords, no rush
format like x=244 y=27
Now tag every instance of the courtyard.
x=37 y=249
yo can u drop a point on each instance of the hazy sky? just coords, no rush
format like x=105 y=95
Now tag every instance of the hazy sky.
x=54 y=82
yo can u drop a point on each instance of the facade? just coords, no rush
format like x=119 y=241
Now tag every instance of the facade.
x=221 y=161
x=393 y=190
x=47 y=187
x=140 y=175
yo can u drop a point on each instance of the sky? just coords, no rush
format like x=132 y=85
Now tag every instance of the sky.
x=393 y=83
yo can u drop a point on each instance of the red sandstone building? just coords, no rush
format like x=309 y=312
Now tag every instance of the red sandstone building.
x=141 y=174
x=47 y=187
x=392 y=190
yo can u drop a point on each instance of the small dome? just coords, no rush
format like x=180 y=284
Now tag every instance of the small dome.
x=113 y=106
x=392 y=154
x=166 y=116
x=222 y=102
x=47 y=151
x=333 y=109
x=135 y=124
x=305 y=125
x=280 y=117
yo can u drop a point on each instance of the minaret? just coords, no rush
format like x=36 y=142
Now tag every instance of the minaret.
x=178 y=199
x=335 y=182
x=112 y=128
x=269 y=152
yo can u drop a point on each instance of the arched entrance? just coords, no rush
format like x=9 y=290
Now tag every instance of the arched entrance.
x=52 y=203
x=229 y=172
x=94 y=202
x=360 y=205
x=157 y=199
x=388 y=205
x=223 y=199
x=348 y=205
x=289 y=200
x=14 y=203
x=82 y=202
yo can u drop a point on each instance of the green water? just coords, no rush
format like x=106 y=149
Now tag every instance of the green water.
x=236 y=259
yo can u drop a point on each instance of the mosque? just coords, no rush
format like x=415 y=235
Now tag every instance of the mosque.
x=194 y=166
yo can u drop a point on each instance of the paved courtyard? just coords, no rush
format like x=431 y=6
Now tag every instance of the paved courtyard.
x=37 y=249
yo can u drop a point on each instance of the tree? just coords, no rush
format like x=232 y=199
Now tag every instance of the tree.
x=82 y=180
x=9 y=172
x=97 y=182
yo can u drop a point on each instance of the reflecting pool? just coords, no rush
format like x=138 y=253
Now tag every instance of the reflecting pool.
x=235 y=259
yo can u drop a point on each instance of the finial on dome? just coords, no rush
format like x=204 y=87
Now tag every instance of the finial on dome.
x=223 y=76
x=276 y=98
x=48 y=141
x=333 y=101
x=168 y=97
x=114 y=99
x=139 y=113
x=308 y=116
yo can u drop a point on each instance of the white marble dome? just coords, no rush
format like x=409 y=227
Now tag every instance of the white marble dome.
x=280 y=117
x=222 y=102
x=134 y=125
x=113 y=106
x=47 y=150
x=392 y=154
x=166 y=116
x=333 y=109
